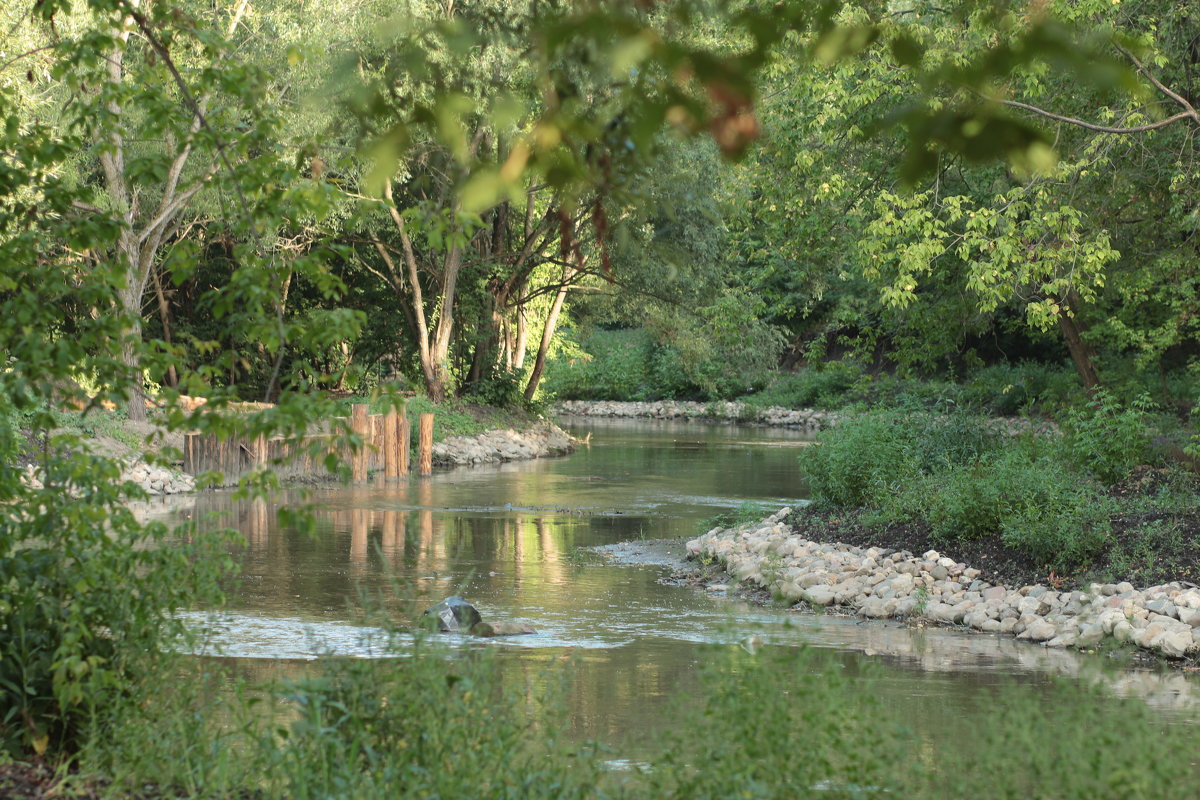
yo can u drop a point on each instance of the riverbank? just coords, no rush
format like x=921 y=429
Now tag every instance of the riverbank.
x=881 y=583
x=469 y=435
x=723 y=411
x=543 y=439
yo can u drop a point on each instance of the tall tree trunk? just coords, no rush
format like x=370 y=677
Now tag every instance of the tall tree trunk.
x=539 y=363
x=1081 y=353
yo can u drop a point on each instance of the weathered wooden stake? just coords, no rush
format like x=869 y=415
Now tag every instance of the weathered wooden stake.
x=405 y=442
x=362 y=426
x=391 y=441
x=425 y=445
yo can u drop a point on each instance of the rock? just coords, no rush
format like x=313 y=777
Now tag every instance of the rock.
x=453 y=614
x=1173 y=643
x=995 y=593
x=1064 y=639
x=1090 y=636
x=1164 y=607
x=490 y=629
x=1039 y=631
x=819 y=595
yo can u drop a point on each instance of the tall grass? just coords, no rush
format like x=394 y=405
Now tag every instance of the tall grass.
x=784 y=723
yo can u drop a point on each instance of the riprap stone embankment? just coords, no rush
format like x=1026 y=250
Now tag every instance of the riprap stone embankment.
x=152 y=478
x=805 y=418
x=879 y=583
x=493 y=447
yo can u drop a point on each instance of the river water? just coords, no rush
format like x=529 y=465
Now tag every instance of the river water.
x=515 y=540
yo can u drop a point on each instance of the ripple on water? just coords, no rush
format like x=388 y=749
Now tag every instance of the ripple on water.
x=232 y=635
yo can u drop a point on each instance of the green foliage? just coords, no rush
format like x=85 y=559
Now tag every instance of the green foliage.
x=87 y=599
x=1055 y=515
x=781 y=724
x=1011 y=389
x=501 y=389
x=1108 y=438
x=433 y=725
x=964 y=503
x=963 y=478
x=860 y=460
x=612 y=367
x=826 y=386
x=952 y=440
x=740 y=515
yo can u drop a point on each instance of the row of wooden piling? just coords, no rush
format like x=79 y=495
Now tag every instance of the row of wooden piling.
x=396 y=442
x=384 y=442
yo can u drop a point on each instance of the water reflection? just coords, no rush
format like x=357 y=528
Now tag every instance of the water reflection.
x=511 y=538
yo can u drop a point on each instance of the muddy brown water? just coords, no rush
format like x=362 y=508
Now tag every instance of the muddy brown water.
x=516 y=539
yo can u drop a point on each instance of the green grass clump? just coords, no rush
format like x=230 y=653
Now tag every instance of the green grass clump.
x=731 y=518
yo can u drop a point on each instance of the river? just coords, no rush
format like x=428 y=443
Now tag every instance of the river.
x=515 y=540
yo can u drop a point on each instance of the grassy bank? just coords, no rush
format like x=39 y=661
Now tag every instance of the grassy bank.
x=1100 y=499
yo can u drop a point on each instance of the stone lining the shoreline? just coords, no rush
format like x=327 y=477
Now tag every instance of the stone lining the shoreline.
x=882 y=584
x=496 y=446
x=775 y=416
x=154 y=480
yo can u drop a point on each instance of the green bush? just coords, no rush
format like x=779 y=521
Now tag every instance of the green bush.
x=87 y=599
x=434 y=725
x=966 y=503
x=1054 y=515
x=1106 y=437
x=954 y=439
x=826 y=386
x=785 y=723
x=1011 y=389
x=857 y=462
x=607 y=365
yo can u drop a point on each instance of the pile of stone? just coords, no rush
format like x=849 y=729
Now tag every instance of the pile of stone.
x=879 y=583
x=493 y=447
x=154 y=480
x=806 y=418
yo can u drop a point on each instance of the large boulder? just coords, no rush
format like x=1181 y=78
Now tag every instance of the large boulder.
x=452 y=615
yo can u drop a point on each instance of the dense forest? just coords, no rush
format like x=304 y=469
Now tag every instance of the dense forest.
x=452 y=197
x=274 y=205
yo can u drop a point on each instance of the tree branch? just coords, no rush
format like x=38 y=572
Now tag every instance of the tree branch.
x=1100 y=128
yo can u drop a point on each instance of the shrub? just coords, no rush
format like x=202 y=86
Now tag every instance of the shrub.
x=1107 y=438
x=87 y=596
x=606 y=365
x=954 y=439
x=1010 y=389
x=826 y=386
x=966 y=504
x=434 y=725
x=1054 y=517
x=857 y=462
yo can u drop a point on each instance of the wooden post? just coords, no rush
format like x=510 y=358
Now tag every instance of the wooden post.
x=405 y=443
x=362 y=426
x=425 y=445
x=391 y=443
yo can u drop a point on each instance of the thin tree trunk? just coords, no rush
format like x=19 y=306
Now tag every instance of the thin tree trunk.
x=539 y=363
x=1083 y=355
x=164 y=314
x=522 y=339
